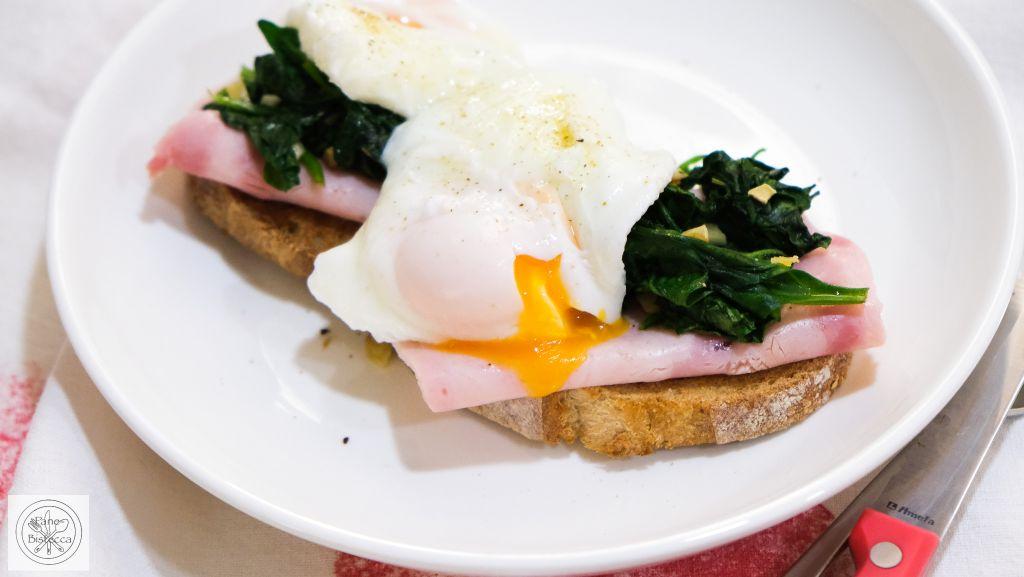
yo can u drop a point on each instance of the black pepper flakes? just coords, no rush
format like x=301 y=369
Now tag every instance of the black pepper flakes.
x=344 y=441
x=325 y=330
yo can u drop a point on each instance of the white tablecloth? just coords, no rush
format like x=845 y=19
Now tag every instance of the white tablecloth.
x=146 y=518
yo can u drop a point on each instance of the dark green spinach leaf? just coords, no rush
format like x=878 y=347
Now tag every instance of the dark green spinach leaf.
x=748 y=223
x=698 y=286
x=295 y=117
x=733 y=290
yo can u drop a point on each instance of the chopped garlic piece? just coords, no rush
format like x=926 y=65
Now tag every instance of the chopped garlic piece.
x=648 y=302
x=762 y=193
x=379 y=353
x=270 y=100
x=679 y=175
x=237 y=91
x=715 y=235
x=698 y=232
x=785 y=260
x=329 y=158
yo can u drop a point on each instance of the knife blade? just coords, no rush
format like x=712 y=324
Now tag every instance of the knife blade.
x=924 y=485
x=1018 y=405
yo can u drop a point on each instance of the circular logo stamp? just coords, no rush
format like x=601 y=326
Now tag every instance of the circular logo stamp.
x=48 y=532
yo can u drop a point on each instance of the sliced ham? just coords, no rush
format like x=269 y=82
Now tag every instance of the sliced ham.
x=201 y=145
x=450 y=381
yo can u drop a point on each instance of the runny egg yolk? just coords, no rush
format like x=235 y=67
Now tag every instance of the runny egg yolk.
x=552 y=338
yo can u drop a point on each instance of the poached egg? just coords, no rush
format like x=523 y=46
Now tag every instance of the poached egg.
x=500 y=227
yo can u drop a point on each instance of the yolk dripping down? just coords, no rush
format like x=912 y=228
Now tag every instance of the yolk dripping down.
x=552 y=339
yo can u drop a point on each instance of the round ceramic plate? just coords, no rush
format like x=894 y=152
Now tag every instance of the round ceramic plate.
x=214 y=356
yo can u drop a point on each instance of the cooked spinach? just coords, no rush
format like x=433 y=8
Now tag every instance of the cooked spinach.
x=734 y=290
x=295 y=117
x=747 y=222
x=698 y=286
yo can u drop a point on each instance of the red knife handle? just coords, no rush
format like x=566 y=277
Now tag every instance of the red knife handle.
x=883 y=546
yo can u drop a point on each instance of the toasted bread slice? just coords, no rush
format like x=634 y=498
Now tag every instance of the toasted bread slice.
x=619 y=420
x=636 y=419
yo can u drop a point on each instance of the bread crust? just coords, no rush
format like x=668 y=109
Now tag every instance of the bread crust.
x=288 y=235
x=637 y=419
x=618 y=420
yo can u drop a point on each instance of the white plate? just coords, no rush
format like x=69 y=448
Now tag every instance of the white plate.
x=213 y=356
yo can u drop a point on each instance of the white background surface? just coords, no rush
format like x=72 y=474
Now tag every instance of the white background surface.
x=52 y=49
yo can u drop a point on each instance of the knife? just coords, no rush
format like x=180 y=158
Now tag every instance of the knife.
x=894 y=525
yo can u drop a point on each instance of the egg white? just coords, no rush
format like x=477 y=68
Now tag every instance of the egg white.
x=375 y=57
x=494 y=161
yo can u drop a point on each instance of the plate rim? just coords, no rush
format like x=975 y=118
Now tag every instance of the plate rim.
x=591 y=561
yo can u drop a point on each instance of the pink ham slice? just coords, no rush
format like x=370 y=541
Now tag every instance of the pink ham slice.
x=201 y=145
x=450 y=381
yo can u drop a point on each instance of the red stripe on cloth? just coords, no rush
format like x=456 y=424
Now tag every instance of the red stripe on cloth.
x=18 y=396
x=769 y=553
